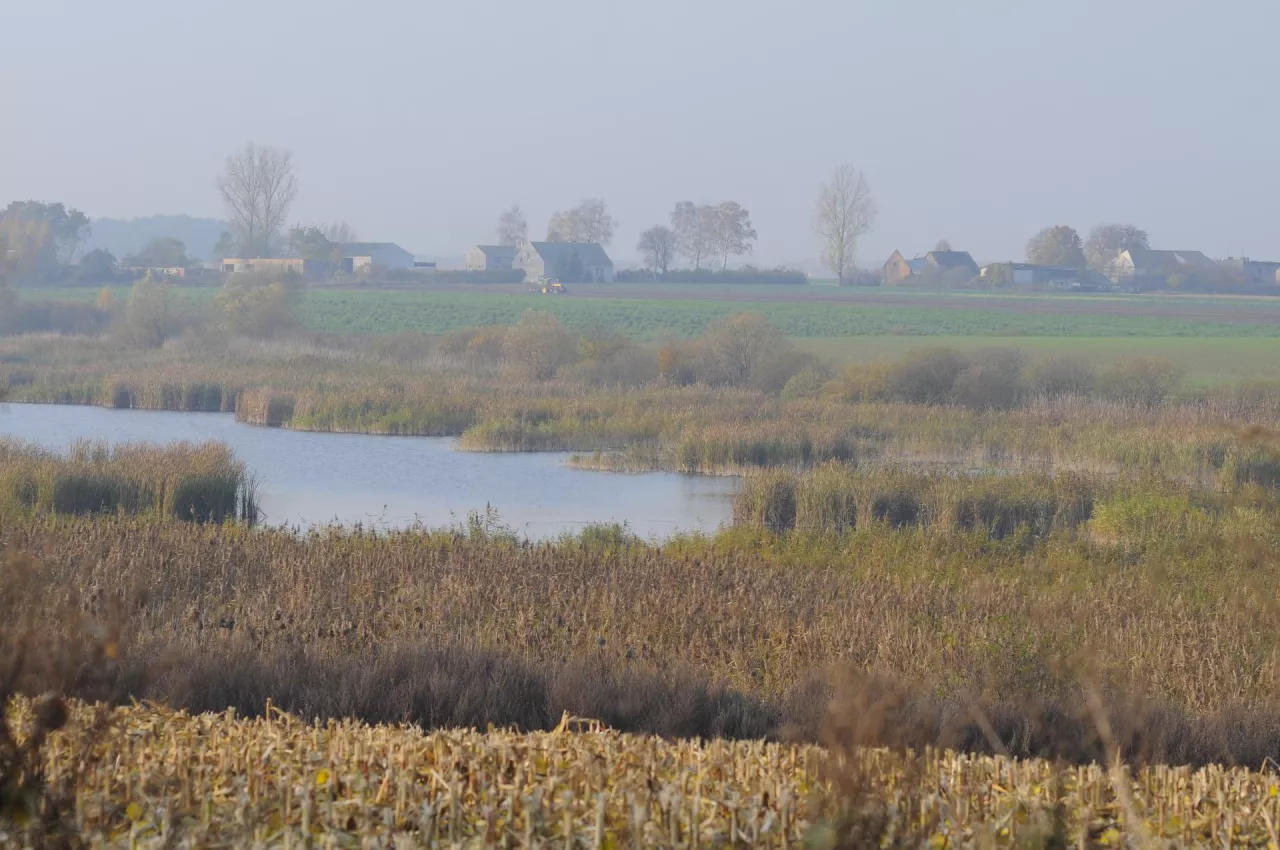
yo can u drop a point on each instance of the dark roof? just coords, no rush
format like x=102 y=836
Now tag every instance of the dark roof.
x=498 y=250
x=917 y=265
x=951 y=259
x=1151 y=257
x=366 y=249
x=589 y=253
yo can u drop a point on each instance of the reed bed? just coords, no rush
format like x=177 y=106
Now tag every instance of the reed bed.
x=146 y=776
x=334 y=386
x=198 y=482
x=739 y=635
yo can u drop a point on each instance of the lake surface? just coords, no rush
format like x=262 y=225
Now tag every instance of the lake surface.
x=390 y=482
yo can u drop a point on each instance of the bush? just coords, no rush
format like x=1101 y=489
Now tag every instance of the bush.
x=1062 y=375
x=745 y=350
x=147 y=320
x=260 y=305
x=807 y=383
x=1142 y=381
x=927 y=376
x=992 y=380
x=537 y=346
x=861 y=382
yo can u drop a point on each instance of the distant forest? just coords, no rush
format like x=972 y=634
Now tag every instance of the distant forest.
x=123 y=237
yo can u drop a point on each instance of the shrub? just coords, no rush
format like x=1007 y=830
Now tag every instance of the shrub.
x=861 y=382
x=744 y=350
x=1142 y=381
x=147 y=320
x=806 y=383
x=926 y=376
x=260 y=305
x=992 y=380
x=1062 y=375
x=537 y=346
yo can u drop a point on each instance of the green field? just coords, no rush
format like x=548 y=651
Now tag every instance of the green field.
x=809 y=312
x=1212 y=338
x=1205 y=359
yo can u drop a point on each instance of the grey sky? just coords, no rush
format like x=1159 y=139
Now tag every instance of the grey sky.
x=975 y=120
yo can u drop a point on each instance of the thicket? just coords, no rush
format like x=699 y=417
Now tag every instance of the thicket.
x=1002 y=379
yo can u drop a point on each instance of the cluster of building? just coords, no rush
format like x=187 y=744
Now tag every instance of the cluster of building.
x=349 y=257
x=575 y=261
x=1138 y=268
x=572 y=261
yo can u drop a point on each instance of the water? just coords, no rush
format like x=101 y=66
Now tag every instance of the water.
x=390 y=482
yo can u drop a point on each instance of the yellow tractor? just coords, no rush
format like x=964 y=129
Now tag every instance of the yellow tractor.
x=549 y=286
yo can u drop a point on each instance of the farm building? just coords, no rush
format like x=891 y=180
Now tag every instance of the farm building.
x=489 y=257
x=312 y=269
x=568 y=261
x=388 y=255
x=1148 y=264
x=898 y=269
x=1254 y=271
x=1031 y=274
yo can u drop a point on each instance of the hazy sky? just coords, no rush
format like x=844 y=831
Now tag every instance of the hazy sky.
x=417 y=122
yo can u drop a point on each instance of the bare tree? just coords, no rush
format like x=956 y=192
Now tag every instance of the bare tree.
x=589 y=221
x=943 y=245
x=845 y=213
x=732 y=233
x=258 y=188
x=695 y=229
x=658 y=247
x=340 y=232
x=512 y=227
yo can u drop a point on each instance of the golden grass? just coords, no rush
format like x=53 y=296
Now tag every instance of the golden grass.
x=156 y=777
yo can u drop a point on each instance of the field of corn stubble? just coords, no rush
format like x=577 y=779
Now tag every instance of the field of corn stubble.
x=151 y=777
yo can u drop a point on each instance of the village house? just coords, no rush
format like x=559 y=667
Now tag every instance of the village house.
x=483 y=258
x=898 y=269
x=1254 y=271
x=570 y=262
x=1151 y=266
x=1032 y=274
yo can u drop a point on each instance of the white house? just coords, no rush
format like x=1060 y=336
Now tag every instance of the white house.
x=571 y=262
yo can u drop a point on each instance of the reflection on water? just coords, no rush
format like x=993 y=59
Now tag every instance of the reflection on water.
x=308 y=479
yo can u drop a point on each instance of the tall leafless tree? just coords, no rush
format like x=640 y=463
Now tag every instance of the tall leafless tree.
x=845 y=212
x=340 y=232
x=512 y=227
x=658 y=247
x=695 y=228
x=732 y=233
x=258 y=188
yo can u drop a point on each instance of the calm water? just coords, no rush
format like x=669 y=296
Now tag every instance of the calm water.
x=307 y=479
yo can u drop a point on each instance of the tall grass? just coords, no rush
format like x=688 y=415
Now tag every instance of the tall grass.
x=201 y=483
x=701 y=636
